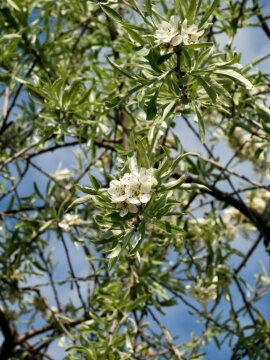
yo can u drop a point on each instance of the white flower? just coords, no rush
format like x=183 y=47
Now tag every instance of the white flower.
x=266 y=281
x=201 y=293
x=231 y=219
x=62 y=342
x=190 y=34
x=69 y=221
x=141 y=115
x=139 y=186
x=168 y=34
x=125 y=208
x=62 y=174
x=259 y=200
x=132 y=190
x=258 y=204
x=117 y=191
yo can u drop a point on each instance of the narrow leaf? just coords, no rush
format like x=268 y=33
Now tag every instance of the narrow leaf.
x=94 y=182
x=86 y=189
x=79 y=201
x=123 y=71
x=134 y=35
x=151 y=109
x=148 y=7
x=191 y=11
x=174 y=184
x=263 y=108
x=11 y=36
x=208 y=13
x=199 y=45
x=175 y=163
x=111 y=13
x=209 y=90
x=177 y=5
x=235 y=76
x=136 y=303
x=169 y=228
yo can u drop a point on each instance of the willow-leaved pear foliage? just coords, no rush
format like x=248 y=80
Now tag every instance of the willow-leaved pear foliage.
x=134 y=189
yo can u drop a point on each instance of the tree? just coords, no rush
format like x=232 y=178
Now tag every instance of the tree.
x=128 y=86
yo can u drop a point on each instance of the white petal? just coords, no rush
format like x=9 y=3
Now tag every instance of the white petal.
x=163 y=51
x=134 y=201
x=115 y=183
x=154 y=181
x=192 y=29
x=184 y=25
x=146 y=187
x=174 y=22
x=199 y=33
x=176 y=40
x=118 y=199
x=144 y=198
x=64 y=226
x=123 y=212
x=132 y=208
x=185 y=39
x=164 y=25
x=112 y=191
x=143 y=172
x=168 y=38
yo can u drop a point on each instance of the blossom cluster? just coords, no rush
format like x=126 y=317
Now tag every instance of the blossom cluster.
x=170 y=36
x=260 y=200
x=132 y=190
x=246 y=147
x=257 y=200
x=231 y=219
x=203 y=294
x=62 y=174
x=69 y=221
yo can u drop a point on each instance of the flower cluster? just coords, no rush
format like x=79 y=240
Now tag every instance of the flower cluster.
x=132 y=190
x=203 y=294
x=190 y=34
x=62 y=174
x=265 y=281
x=246 y=147
x=260 y=200
x=231 y=219
x=170 y=36
x=69 y=221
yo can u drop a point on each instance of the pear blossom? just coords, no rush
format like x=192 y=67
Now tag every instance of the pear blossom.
x=230 y=219
x=69 y=221
x=62 y=174
x=132 y=190
x=125 y=208
x=168 y=34
x=203 y=294
x=246 y=147
x=260 y=201
x=266 y=281
x=190 y=34
x=117 y=191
